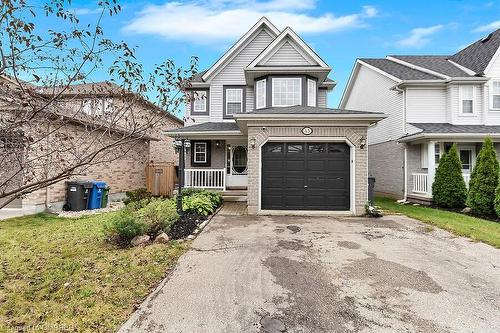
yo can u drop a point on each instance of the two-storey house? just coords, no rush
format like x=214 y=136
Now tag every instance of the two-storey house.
x=258 y=122
x=431 y=102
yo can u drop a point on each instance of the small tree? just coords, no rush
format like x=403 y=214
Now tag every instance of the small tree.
x=484 y=180
x=448 y=189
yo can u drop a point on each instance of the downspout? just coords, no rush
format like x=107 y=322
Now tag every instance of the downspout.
x=405 y=155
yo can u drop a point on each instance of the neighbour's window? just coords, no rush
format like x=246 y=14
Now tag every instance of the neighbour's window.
x=495 y=95
x=200 y=152
x=311 y=92
x=234 y=101
x=467 y=99
x=97 y=106
x=260 y=90
x=199 y=101
x=287 y=91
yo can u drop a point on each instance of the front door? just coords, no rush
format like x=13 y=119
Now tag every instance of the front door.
x=467 y=155
x=236 y=164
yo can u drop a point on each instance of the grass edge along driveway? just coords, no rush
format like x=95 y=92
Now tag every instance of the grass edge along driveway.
x=474 y=228
x=59 y=274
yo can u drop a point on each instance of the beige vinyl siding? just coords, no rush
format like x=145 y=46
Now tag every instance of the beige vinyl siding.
x=287 y=55
x=371 y=91
x=322 y=98
x=425 y=105
x=233 y=73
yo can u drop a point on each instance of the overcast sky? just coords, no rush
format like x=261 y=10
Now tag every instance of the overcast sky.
x=339 y=31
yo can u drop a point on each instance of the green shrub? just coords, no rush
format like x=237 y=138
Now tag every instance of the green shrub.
x=123 y=227
x=137 y=195
x=448 y=189
x=158 y=216
x=187 y=191
x=484 y=181
x=134 y=206
x=200 y=203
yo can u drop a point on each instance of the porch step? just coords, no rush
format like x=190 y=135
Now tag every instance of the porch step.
x=234 y=195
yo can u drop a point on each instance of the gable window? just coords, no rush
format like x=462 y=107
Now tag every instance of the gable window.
x=287 y=91
x=233 y=101
x=200 y=152
x=495 y=95
x=200 y=102
x=260 y=94
x=311 y=92
x=467 y=100
x=97 y=106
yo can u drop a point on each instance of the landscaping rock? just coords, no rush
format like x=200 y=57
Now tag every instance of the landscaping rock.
x=162 y=238
x=466 y=210
x=139 y=240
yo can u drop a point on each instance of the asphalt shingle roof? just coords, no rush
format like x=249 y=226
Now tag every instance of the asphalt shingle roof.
x=299 y=109
x=455 y=129
x=439 y=64
x=209 y=127
x=400 y=71
x=478 y=55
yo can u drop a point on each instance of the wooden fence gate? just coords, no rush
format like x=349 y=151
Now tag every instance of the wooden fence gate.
x=160 y=178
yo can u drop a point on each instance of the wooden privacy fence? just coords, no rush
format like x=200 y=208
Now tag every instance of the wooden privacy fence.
x=160 y=178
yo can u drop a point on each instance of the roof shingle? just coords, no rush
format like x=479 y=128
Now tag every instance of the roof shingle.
x=439 y=64
x=478 y=55
x=399 y=71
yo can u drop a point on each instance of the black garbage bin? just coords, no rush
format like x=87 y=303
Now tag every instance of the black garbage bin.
x=371 y=189
x=77 y=194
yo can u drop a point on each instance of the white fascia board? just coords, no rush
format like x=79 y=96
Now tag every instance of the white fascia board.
x=202 y=133
x=311 y=116
x=493 y=59
x=419 y=136
x=229 y=53
x=290 y=33
x=288 y=69
x=465 y=69
x=418 y=68
x=348 y=87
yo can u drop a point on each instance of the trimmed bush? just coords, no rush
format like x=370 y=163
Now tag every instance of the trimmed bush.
x=157 y=216
x=200 y=203
x=123 y=227
x=448 y=189
x=139 y=194
x=484 y=181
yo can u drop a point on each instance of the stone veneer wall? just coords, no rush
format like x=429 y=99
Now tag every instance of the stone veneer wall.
x=353 y=134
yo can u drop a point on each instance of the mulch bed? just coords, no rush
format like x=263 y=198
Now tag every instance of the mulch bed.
x=185 y=225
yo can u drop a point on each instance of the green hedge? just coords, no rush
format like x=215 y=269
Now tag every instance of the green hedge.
x=448 y=189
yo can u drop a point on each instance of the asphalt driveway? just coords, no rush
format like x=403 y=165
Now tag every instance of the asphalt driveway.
x=315 y=274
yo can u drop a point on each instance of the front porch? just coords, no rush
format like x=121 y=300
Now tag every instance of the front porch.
x=423 y=160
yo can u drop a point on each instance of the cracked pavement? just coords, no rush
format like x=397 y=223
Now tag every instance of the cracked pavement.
x=326 y=274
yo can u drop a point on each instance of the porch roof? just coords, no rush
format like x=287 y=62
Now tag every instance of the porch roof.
x=220 y=128
x=447 y=130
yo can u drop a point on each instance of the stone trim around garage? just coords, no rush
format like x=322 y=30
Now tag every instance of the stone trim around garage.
x=353 y=134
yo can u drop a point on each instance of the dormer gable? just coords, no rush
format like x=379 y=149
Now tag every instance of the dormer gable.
x=288 y=49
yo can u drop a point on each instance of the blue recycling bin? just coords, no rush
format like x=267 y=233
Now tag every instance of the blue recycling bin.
x=94 y=201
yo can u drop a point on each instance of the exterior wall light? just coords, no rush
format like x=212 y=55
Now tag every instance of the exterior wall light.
x=362 y=143
x=187 y=143
x=252 y=143
x=217 y=144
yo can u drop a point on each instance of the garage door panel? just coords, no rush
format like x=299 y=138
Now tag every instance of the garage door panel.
x=306 y=176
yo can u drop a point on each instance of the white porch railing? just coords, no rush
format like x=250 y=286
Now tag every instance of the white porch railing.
x=421 y=182
x=205 y=178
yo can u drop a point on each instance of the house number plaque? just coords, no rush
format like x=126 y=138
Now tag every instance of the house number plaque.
x=307 y=130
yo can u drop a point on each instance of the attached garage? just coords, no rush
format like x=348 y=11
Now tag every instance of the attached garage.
x=306 y=176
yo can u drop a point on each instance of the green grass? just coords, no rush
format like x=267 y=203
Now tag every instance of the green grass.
x=60 y=274
x=475 y=228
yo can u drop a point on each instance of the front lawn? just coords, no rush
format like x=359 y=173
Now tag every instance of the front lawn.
x=463 y=225
x=60 y=275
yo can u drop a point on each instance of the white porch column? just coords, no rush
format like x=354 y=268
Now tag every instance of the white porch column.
x=431 y=165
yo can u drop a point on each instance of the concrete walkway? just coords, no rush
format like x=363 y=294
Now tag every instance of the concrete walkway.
x=295 y=274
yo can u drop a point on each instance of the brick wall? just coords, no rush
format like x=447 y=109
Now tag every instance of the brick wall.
x=353 y=134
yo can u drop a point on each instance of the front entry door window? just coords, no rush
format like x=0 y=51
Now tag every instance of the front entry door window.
x=239 y=160
x=466 y=159
x=236 y=165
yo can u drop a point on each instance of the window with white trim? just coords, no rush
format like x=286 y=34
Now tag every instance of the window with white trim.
x=311 y=92
x=495 y=94
x=200 y=101
x=200 y=152
x=260 y=94
x=467 y=100
x=287 y=91
x=97 y=106
x=424 y=163
x=234 y=101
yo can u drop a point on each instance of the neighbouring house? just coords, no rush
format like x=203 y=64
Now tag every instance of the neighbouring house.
x=432 y=101
x=80 y=116
x=261 y=131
